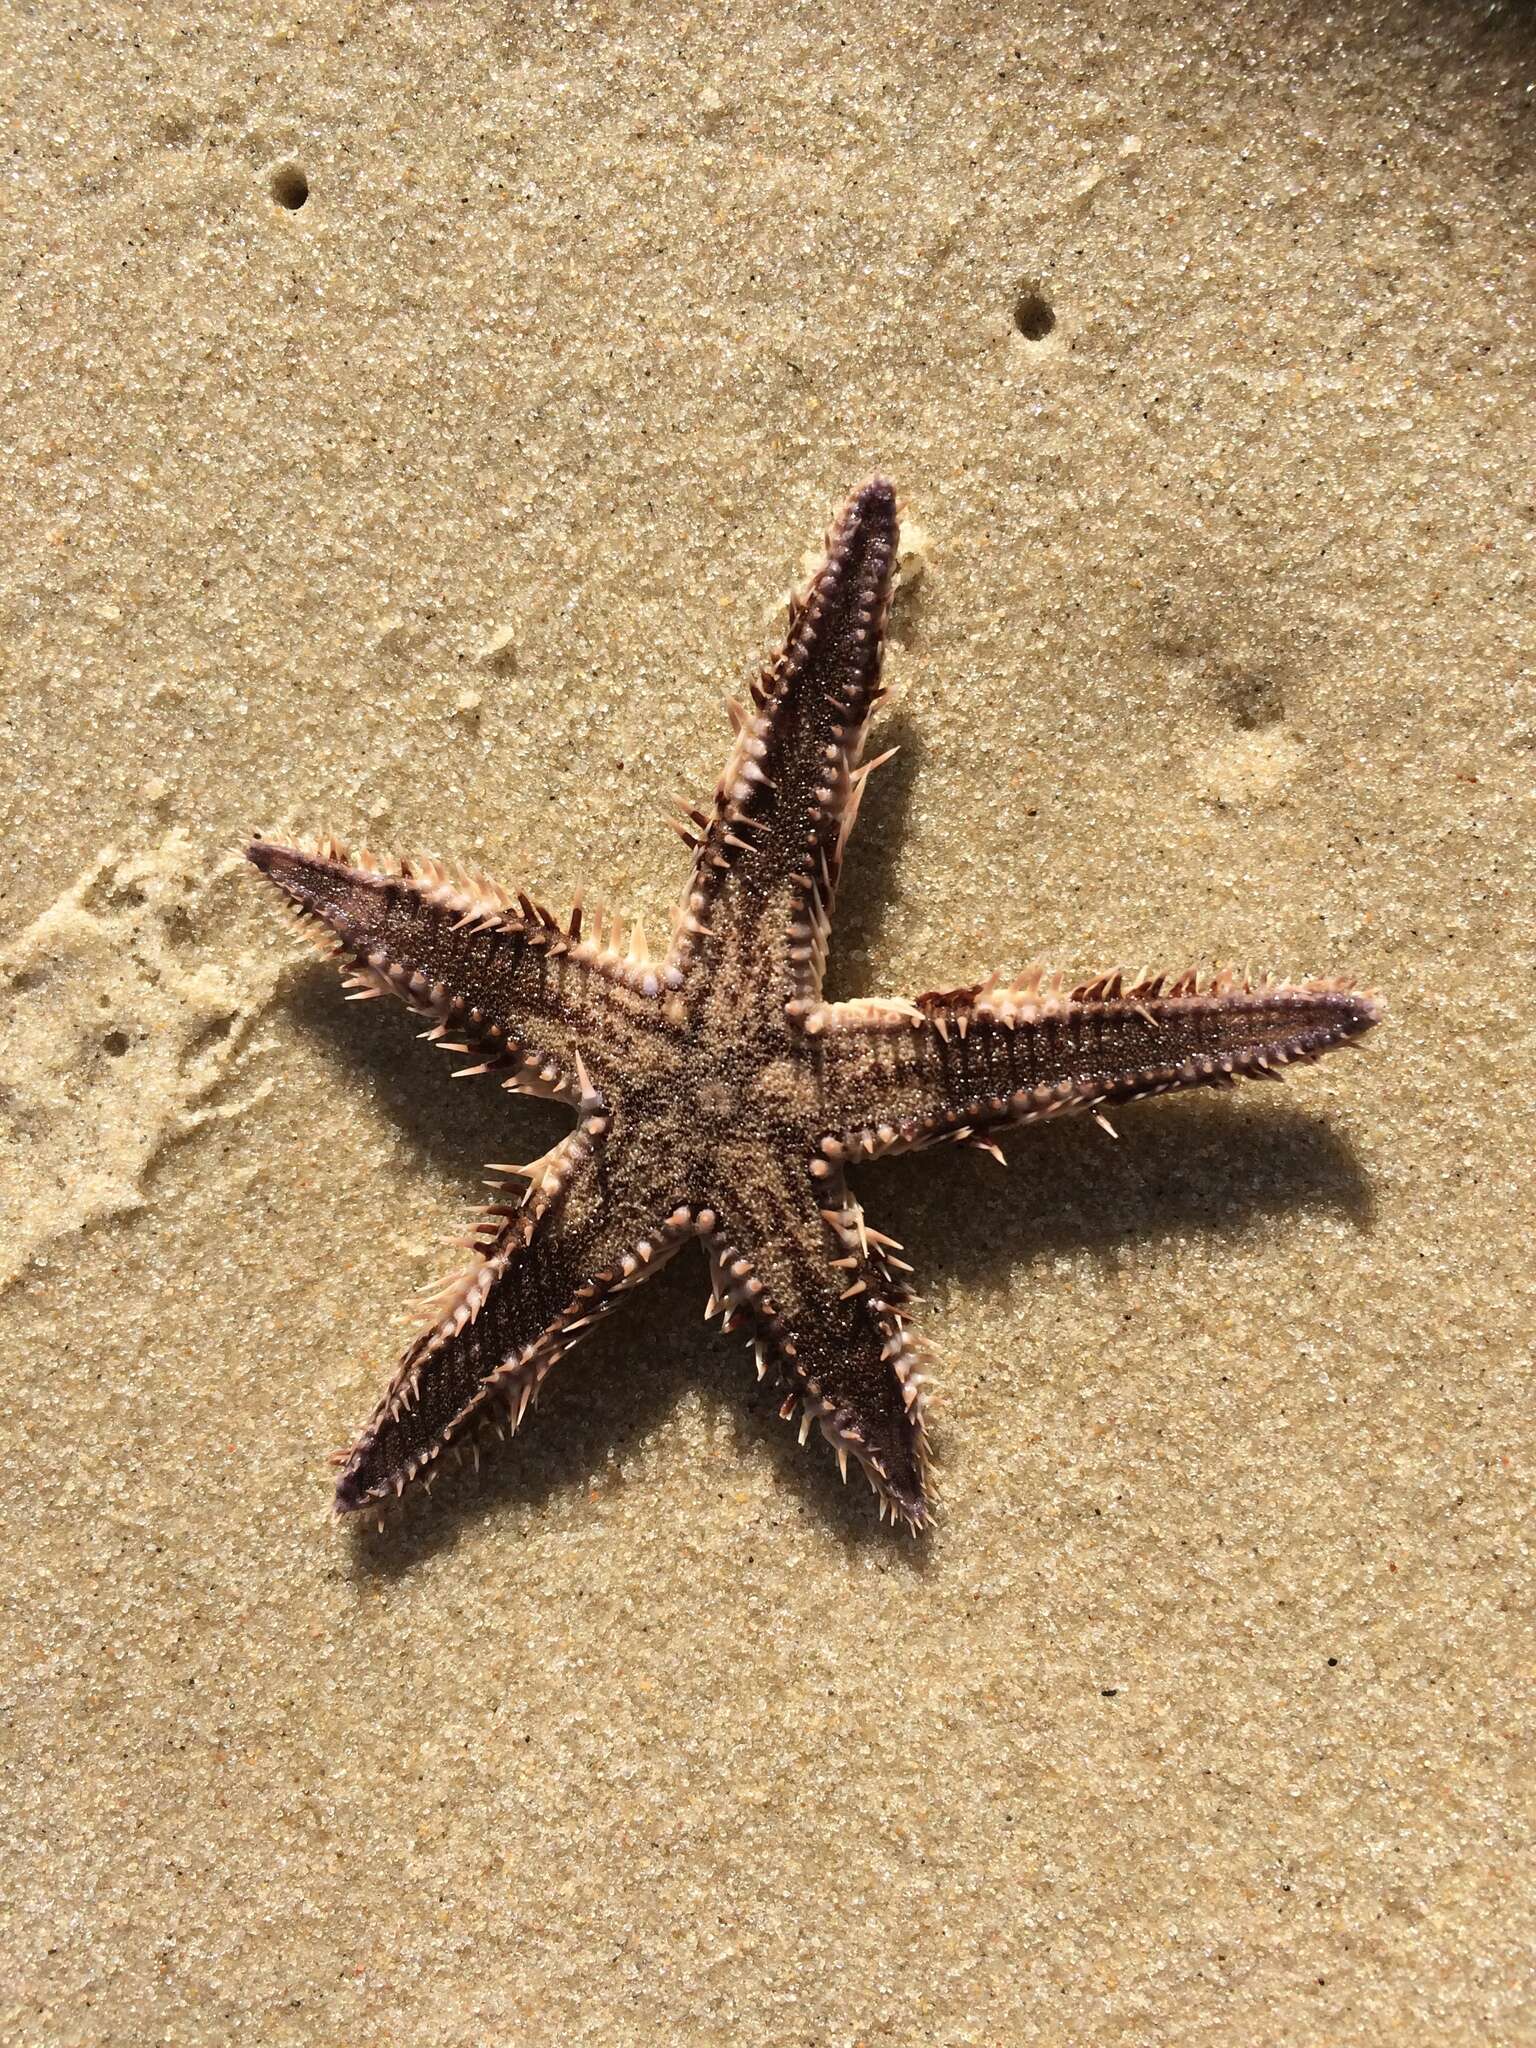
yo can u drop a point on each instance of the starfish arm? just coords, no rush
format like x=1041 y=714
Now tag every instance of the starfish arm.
x=792 y=1257
x=542 y=1271
x=496 y=973
x=767 y=858
x=969 y=1061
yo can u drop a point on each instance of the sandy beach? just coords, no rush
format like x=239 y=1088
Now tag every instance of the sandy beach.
x=413 y=421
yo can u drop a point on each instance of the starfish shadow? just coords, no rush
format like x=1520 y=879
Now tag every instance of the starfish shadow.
x=1181 y=1169
x=1215 y=1173
x=1190 y=1166
x=456 y=1126
x=867 y=897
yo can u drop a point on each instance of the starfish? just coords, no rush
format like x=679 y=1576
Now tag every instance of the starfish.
x=718 y=1097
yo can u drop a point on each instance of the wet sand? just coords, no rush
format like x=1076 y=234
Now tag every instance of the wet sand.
x=441 y=510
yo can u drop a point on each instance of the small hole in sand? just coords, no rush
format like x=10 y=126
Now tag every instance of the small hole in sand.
x=289 y=186
x=1032 y=314
x=115 y=1044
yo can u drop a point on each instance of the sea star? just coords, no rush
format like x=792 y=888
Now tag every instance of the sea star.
x=719 y=1097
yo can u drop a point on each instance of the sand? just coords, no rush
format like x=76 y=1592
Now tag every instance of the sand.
x=441 y=510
